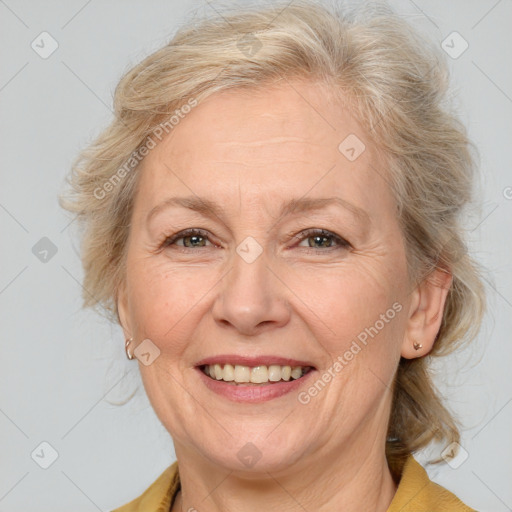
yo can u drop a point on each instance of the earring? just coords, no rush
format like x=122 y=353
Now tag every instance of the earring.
x=129 y=355
x=417 y=345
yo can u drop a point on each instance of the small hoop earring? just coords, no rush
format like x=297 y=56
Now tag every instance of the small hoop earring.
x=417 y=345
x=129 y=355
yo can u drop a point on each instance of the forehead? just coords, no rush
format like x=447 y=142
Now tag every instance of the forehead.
x=282 y=140
x=290 y=119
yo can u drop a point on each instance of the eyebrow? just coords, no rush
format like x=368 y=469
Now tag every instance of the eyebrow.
x=212 y=209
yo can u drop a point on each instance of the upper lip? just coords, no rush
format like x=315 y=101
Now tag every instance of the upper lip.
x=264 y=360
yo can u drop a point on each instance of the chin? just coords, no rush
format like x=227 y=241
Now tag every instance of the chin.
x=261 y=455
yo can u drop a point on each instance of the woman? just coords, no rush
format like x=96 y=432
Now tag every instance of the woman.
x=273 y=219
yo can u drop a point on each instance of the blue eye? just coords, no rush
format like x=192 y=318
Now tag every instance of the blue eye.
x=323 y=239
x=315 y=238
x=191 y=238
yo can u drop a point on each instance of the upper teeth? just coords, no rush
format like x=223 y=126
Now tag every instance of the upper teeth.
x=256 y=374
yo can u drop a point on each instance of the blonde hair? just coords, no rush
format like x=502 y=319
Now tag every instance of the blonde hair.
x=396 y=85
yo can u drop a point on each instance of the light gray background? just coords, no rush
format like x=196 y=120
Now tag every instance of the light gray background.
x=63 y=369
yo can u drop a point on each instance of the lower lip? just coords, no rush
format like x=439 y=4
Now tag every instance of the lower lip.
x=250 y=393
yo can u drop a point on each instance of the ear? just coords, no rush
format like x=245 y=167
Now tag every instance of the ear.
x=122 y=311
x=426 y=313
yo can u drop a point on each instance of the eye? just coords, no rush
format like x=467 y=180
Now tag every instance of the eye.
x=322 y=239
x=190 y=239
x=315 y=239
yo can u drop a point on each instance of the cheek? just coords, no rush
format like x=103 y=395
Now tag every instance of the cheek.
x=163 y=299
x=356 y=313
x=357 y=316
x=345 y=301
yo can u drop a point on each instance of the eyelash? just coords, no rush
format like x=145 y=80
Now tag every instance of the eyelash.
x=304 y=235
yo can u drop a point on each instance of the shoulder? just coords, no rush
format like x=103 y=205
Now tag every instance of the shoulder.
x=158 y=496
x=417 y=493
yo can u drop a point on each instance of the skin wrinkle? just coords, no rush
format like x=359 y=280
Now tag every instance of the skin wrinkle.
x=205 y=302
x=207 y=207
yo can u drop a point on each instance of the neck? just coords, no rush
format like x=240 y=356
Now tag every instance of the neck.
x=351 y=480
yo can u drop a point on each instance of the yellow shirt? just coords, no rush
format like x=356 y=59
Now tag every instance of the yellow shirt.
x=415 y=493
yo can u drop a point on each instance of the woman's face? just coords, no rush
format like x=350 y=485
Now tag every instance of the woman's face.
x=259 y=287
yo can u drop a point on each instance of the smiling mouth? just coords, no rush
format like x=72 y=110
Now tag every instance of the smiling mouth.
x=254 y=375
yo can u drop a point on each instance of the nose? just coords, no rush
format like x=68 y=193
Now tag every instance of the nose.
x=251 y=298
